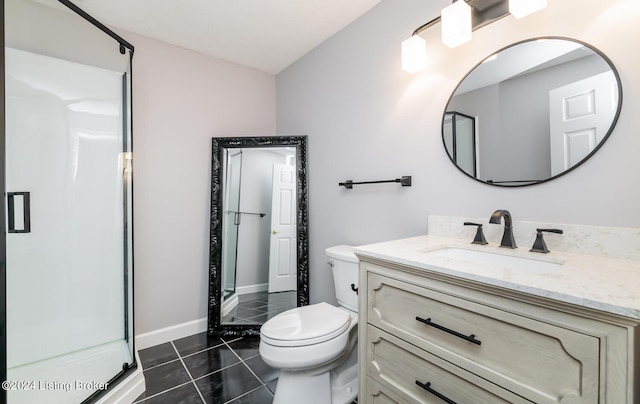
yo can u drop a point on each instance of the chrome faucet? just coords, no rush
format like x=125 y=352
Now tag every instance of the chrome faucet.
x=507 y=238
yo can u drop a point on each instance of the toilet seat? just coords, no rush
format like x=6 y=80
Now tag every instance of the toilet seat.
x=306 y=325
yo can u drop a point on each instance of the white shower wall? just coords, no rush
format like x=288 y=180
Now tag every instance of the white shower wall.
x=64 y=146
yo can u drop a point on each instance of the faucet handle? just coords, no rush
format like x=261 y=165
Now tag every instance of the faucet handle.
x=539 y=245
x=479 y=238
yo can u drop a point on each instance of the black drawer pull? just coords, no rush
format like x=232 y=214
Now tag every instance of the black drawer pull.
x=427 y=387
x=470 y=338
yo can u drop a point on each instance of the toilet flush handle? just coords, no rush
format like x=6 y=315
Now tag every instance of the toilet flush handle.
x=353 y=285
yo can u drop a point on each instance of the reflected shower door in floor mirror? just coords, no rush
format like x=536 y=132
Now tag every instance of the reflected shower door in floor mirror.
x=69 y=328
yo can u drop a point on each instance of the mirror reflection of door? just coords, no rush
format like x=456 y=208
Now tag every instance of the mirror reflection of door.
x=259 y=233
x=580 y=115
x=282 y=251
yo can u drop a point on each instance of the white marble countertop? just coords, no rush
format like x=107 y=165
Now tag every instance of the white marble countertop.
x=606 y=284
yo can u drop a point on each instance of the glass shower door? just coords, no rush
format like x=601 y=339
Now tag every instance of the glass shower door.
x=69 y=329
x=231 y=220
x=459 y=134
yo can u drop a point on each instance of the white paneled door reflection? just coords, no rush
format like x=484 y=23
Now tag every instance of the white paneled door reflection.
x=282 y=257
x=580 y=115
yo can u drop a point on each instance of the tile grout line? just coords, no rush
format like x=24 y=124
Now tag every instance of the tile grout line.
x=244 y=394
x=189 y=373
x=161 y=392
x=216 y=371
x=201 y=351
x=222 y=368
x=160 y=364
x=262 y=383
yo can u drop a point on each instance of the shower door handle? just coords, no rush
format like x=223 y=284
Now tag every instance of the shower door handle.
x=26 y=212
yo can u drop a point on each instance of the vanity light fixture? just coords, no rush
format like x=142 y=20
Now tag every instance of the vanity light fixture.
x=522 y=8
x=456 y=24
x=458 y=21
x=414 y=54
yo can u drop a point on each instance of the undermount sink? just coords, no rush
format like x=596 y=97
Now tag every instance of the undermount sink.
x=494 y=259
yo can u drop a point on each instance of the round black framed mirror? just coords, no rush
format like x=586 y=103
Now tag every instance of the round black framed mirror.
x=532 y=112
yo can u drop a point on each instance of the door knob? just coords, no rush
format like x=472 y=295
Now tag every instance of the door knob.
x=275 y=232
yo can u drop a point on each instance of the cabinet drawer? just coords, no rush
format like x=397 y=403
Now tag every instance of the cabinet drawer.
x=378 y=394
x=539 y=361
x=400 y=366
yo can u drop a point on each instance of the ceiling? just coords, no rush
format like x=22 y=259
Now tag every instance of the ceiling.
x=267 y=35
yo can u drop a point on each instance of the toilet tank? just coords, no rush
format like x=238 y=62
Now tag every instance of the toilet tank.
x=345 y=273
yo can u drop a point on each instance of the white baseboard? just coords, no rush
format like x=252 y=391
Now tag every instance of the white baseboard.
x=178 y=331
x=243 y=290
x=167 y=334
x=229 y=304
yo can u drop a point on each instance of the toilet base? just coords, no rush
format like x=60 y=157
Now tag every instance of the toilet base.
x=315 y=386
x=300 y=387
x=296 y=387
x=345 y=394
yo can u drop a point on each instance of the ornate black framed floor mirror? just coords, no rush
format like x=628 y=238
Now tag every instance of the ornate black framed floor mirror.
x=259 y=245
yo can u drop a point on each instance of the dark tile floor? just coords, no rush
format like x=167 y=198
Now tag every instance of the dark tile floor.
x=201 y=369
x=256 y=308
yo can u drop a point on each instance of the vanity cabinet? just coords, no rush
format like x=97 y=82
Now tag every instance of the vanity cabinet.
x=429 y=337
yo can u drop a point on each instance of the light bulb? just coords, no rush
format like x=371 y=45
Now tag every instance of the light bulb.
x=414 y=54
x=456 y=24
x=522 y=8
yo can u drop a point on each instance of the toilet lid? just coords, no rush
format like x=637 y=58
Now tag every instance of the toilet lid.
x=306 y=325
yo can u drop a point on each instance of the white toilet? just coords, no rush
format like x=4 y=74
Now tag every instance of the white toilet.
x=315 y=346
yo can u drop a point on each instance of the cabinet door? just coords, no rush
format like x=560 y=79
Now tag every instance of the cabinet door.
x=539 y=361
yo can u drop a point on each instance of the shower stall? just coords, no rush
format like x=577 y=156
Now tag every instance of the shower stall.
x=67 y=257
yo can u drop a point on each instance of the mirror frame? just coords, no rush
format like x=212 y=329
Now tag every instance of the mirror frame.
x=214 y=325
x=587 y=157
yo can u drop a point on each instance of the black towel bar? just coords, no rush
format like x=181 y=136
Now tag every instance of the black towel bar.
x=237 y=215
x=251 y=213
x=405 y=181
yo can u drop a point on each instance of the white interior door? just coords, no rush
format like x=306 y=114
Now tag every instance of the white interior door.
x=282 y=254
x=580 y=115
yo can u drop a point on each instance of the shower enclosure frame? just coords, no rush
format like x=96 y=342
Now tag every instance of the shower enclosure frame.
x=3 y=226
x=126 y=370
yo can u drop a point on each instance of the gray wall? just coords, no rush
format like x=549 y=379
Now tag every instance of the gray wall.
x=181 y=99
x=367 y=119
